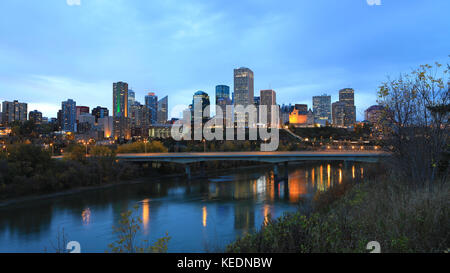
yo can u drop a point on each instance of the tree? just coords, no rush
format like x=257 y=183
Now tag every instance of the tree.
x=127 y=230
x=414 y=122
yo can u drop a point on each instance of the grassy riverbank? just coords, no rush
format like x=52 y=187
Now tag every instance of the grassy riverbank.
x=401 y=218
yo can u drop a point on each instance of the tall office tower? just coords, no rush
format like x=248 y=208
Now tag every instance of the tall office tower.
x=222 y=92
x=199 y=103
x=68 y=115
x=35 y=116
x=120 y=111
x=100 y=112
x=338 y=111
x=222 y=101
x=151 y=102
x=243 y=92
x=14 y=111
x=82 y=110
x=163 y=110
x=322 y=109
x=131 y=98
x=347 y=96
x=243 y=87
x=269 y=98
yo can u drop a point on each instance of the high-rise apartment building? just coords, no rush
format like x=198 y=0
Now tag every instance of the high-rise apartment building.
x=69 y=115
x=100 y=112
x=35 y=116
x=322 y=110
x=14 y=111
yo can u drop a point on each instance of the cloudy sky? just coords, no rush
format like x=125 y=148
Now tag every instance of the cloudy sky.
x=52 y=50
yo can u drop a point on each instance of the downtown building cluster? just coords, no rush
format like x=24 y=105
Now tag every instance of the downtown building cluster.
x=131 y=119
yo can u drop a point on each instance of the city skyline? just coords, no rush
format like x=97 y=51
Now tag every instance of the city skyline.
x=289 y=48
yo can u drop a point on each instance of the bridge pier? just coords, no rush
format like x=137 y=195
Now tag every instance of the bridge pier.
x=187 y=169
x=276 y=171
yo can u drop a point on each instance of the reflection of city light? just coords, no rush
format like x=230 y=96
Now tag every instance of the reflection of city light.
x=340 y=176
x=205 y=216
x=86 y=215
x=297 y=186
x=313 y=177
x=353 y=172
x=321 y=175
x=362 y=172
x=146 y=213
x=266 y=214
x=329 y=174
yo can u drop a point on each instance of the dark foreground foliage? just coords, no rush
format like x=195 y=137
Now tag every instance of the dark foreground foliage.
x=29 y=170
x=401 y=218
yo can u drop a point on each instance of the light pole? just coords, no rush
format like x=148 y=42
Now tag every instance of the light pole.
x=51 y=145
x=204 y=145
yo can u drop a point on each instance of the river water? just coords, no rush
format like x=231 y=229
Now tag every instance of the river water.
x=201 y=216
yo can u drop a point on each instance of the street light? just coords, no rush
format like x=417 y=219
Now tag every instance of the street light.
x=51 y=145
x=145 y=142
x=204 y=145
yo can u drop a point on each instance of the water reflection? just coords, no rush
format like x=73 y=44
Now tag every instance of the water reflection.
x=228 y=204
x=86 y=216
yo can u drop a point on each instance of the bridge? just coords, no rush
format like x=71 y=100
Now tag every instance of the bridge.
x=275 y=158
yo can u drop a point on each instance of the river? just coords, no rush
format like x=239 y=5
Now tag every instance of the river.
x=201 y=216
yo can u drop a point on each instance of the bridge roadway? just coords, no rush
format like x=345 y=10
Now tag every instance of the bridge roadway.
x=268 y=157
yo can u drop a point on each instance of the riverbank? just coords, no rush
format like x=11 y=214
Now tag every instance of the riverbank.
x=140 y=180
x=401 y=218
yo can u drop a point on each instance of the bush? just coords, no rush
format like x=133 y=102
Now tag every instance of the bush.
x=140 y=147
x=400 y=218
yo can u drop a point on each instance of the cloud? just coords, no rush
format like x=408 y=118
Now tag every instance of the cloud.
x=73 y=2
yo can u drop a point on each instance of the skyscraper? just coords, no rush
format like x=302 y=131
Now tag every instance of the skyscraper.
x=338 y=111
x=243 y=87
x=163 y=110
x=14 y=111
x=347 y=96
x=199 y=103
x=269 y=98
x=151 y=102
x=120 y=111
x=222 y=92
x=131 y=98
x=68 y=115
x=322 y=109
x=222 y=101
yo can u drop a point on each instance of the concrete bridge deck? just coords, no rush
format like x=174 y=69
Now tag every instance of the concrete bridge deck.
x=268 y=157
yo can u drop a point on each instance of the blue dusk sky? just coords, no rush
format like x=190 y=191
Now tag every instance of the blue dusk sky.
x=52 y=50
